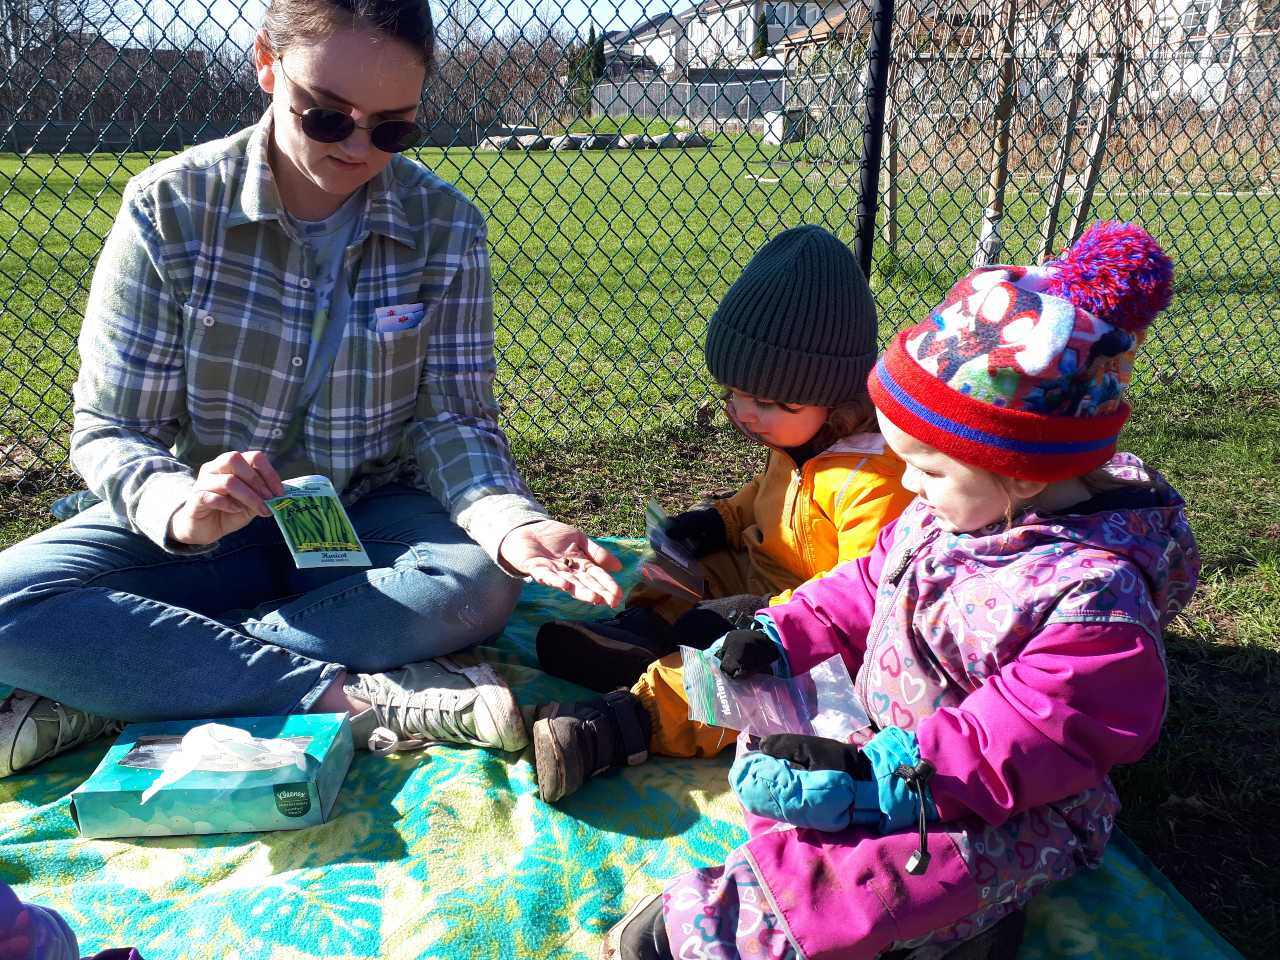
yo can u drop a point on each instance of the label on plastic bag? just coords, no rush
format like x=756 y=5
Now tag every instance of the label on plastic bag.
x=819 y=703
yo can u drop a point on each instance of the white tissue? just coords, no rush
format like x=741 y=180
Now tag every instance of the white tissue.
x=211 y=741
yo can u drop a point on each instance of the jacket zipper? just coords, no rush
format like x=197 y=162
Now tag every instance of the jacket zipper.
x=897 y=578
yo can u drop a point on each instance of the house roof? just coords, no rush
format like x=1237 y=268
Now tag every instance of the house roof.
x=708 y=6
x=824 y=28
x=652 y=25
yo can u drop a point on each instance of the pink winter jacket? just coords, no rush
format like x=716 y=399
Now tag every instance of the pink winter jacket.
x=1027 y=662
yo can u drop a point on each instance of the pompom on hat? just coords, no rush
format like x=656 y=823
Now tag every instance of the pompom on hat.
x=1022 y=370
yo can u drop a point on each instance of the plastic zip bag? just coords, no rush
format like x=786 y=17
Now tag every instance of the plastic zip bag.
x=819 y=703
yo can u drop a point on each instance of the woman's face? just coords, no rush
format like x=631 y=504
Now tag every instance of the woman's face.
x=367 y=75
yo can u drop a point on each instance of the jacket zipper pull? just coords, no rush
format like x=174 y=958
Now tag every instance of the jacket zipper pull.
x=910 y=555
x=901 y=566
x=917 y=779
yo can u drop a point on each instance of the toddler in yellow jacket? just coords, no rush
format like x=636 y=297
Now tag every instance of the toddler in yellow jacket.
x=791 y=343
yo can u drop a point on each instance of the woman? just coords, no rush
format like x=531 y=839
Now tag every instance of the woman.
x=294 y=299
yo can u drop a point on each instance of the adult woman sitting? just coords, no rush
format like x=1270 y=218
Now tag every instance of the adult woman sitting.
x=298 y=298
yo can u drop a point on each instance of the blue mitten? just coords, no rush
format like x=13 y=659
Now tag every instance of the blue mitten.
x=828 y=785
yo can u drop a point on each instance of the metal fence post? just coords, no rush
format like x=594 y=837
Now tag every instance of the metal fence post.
x=990 y=243
x=878 y=55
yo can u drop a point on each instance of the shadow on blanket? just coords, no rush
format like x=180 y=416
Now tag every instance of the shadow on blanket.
x=450 y=854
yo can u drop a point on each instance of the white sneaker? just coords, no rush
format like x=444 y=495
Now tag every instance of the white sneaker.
x=35 y=728
x=435 y=701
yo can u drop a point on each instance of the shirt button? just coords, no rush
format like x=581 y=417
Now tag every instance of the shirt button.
x=207 y=320
x=277 y=433
x=296 y=361
x=306 y=283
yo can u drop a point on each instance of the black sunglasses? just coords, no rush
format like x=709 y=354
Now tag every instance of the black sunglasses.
x=326 y=125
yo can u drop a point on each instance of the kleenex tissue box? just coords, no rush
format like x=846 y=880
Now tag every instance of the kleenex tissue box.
x=218 y=776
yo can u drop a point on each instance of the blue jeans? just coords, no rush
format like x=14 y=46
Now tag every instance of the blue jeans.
x=100 y=618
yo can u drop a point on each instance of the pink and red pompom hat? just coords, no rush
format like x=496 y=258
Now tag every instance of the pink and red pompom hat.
x=1022 y=370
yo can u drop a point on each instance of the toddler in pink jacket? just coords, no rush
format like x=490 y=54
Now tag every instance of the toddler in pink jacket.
x=1005 y=636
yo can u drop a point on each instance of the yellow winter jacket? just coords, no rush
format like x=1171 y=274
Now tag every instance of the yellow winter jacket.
x=799 y=524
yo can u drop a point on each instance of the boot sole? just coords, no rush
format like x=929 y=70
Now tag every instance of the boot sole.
x=498 y=703
x=576 y=653
x=549 y=763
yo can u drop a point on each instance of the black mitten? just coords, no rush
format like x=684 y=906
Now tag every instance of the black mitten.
x=712 y=619
x=818 y=753
x=746 y=652
x=702 y=530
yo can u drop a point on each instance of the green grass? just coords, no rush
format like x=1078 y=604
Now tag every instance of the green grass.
x=607 y=266
x=1204 y=802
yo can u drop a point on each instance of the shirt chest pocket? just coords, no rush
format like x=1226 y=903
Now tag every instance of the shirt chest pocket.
x=233 y=361
x=377 y=373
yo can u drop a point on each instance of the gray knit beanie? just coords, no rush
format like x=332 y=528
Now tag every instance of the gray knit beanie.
x=798 y=326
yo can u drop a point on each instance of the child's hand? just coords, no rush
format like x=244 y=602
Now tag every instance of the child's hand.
x=823 y=797
x=828 y=785
x=712 y=619
x=745 y=652
x=702 y=530
x=817 y=753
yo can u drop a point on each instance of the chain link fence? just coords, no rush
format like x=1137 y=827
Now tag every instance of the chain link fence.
x=630 y=157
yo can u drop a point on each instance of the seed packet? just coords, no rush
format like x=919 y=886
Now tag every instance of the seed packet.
x=670 y=567
x=315 y=525
x=820 y=703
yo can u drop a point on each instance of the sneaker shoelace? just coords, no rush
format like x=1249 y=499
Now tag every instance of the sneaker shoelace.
x=75 y=727
x=431 y=722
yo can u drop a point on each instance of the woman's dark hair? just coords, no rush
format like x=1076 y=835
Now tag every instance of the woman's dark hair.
x=290 y=22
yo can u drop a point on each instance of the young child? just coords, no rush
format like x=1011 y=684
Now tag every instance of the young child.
x=1006 y=632
x=792 y=342
x=28 y=932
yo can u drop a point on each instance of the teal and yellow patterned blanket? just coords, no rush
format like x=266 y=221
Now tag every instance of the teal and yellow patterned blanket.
x=450 y=854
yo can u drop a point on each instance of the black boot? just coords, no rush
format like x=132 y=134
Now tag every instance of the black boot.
x=641 y=934
x=604 y=655
x=1000 y=941
x=575 y=741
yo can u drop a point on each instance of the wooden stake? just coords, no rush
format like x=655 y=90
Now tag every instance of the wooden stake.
x=891 y=197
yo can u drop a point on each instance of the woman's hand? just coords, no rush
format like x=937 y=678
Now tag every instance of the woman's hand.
x=230 y=491
x=558 y=555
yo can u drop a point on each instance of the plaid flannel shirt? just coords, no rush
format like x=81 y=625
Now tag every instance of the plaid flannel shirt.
x=196 y=333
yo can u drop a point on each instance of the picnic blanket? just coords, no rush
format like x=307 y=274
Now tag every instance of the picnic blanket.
x=450 y=854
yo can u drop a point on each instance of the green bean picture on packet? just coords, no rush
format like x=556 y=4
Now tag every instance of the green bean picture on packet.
x=315 y=525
